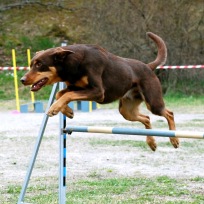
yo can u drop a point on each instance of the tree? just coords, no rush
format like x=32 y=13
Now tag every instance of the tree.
x=120 y=26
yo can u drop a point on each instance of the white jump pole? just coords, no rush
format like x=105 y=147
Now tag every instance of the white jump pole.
x=134 y=131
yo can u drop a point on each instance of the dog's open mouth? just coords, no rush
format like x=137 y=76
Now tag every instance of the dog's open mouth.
x=39 y=84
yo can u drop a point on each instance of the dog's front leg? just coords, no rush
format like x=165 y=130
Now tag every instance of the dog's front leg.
x=68 y=96
x=57 y=107
x=65 y=109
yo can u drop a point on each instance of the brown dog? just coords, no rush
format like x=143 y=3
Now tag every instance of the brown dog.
x=93 y=74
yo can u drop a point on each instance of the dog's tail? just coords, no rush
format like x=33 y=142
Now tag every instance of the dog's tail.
x=162 y=51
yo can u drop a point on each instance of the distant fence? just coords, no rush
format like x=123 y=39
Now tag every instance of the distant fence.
x=12 y=68
x=160 y=67
x=181 y=67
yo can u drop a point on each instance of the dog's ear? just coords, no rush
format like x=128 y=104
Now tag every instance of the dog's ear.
x=38 y=52
x=59 y=54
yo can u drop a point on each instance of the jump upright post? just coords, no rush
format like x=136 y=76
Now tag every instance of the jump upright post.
x=15 y=80
x=29 y=60
x=62 y=159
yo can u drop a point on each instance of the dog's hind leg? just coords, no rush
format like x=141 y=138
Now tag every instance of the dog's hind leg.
x=155 y=104
x=170 y=119
x=129 y=109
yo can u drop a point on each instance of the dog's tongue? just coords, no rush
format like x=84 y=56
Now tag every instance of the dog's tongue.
x=35 y=87
x=38 y=85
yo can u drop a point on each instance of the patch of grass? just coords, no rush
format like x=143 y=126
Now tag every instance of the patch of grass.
x=13 y=189
x=198 y=120
x=195 y=145
x=94 y=174
x=184 y=104
x=191 y=125
x=22 y=43
x=42 y=194
x=190 y=145
x=198 y=179
x=128 y=143
x=132 y=190
x=9 y=194
x=158 y=124
x=162 y=189
x=46 y=197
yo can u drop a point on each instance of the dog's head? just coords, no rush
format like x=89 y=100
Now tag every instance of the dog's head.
x=43 y=70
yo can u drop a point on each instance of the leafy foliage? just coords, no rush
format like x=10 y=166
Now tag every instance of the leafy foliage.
x=119 y=26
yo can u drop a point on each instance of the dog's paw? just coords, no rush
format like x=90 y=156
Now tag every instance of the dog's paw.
x=54 y=110
x=66 y=110
x=174 y=142
x=151 y=142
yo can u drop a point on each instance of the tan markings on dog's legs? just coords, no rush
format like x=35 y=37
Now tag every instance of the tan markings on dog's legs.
x=149 y=139
x=82 y=95
x=65 y=109
x=129 y=109
x=83 y=82
x=170 y=119
x=156 y=106
x=60 y=93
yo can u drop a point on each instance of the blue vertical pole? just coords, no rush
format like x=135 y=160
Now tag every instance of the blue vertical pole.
x=62 y=159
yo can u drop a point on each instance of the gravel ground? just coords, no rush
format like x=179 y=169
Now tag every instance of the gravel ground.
x=18 y=133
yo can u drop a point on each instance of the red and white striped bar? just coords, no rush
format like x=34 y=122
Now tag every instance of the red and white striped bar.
x=181 y=67
x=159 y=67
x=11 y=68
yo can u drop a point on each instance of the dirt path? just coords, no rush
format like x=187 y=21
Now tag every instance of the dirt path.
x=18 y=134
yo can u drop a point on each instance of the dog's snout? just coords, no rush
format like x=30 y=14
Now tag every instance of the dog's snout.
x=23 y=79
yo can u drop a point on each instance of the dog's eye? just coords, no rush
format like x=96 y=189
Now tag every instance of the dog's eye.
x=38 y=64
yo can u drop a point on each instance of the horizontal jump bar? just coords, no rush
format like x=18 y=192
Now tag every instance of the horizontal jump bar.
x=134 y=131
